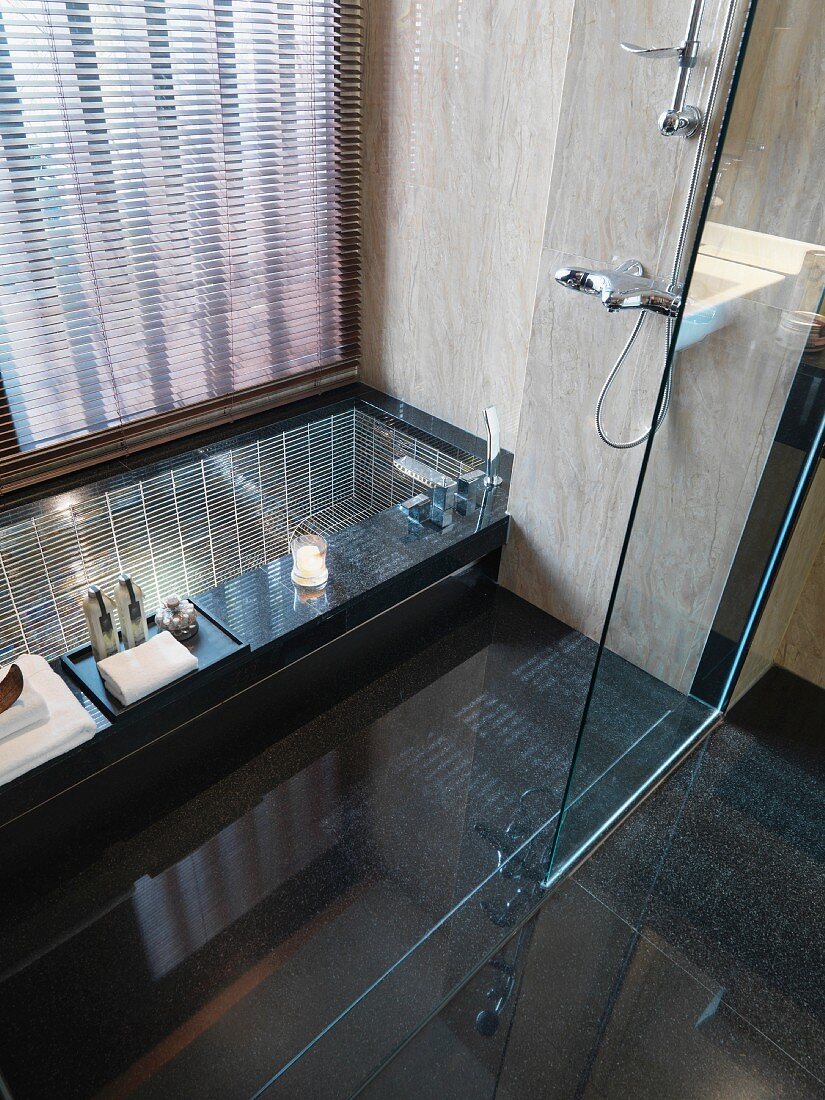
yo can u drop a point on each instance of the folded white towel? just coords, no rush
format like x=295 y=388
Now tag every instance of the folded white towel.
x=134 y=673
x=66 y=726
x=27 y=711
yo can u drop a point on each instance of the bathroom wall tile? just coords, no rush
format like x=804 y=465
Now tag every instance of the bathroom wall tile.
x=713 y=25
x=763 y=141
x=613 y=172
x=790 y=629
x=704 y=470
x=458 y=133
x=618 y=190
x=571 y=495
x=803 y=647
x=460 y=108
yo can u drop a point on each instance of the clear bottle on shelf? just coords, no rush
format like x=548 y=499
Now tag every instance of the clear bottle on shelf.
x=97 y=610
x=131 y=611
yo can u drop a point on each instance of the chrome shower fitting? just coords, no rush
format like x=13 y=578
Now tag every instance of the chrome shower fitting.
x=469 y=494
x=437 y=504
x=624 y=287
x=680 y=117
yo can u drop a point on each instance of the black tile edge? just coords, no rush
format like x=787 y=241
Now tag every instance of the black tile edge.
x=132 y=734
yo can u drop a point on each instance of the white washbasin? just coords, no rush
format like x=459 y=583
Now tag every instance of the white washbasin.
x=757 y=250
x=734 y=263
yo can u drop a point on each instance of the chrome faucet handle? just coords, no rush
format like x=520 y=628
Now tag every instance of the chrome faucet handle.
x=655 y=53
x=631 y=267
x=680 y=117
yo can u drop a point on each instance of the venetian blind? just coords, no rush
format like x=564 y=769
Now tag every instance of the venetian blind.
x=179 y=218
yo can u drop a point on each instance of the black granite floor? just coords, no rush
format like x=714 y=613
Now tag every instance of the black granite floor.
x=289 y=924
x=683 y=959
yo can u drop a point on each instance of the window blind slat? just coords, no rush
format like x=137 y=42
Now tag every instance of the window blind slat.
x=179 y=217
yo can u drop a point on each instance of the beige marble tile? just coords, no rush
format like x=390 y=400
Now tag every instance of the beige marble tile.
x=613 y=172
x=781 y=101
x=461 y=105
x=704 y=470
x=614 y=177
x=460 y=108
x=571 y=496
x=790 y=630
x=803 y=647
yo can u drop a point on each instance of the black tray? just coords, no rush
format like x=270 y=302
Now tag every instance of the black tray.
x=214 y=645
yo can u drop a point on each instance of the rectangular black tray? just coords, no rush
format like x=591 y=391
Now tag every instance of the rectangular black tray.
x=214 y=645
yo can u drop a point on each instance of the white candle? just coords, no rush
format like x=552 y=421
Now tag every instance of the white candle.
x=308 y=561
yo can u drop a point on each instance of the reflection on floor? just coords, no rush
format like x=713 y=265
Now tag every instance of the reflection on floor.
x=197 y=956
x=683 y=960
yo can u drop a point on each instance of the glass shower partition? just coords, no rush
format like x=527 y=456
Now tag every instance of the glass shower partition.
x=725 y=476
x=743 y=346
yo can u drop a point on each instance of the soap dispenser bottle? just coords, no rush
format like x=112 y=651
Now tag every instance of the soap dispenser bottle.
x=97 y=610
x=131 y=611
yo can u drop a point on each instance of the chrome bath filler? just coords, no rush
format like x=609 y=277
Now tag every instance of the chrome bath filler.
x=626 y=287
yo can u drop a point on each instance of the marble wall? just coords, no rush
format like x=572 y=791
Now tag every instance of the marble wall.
x=461 y=102
x=791 y=630
x=770 y=158
x=485 y=123
x=572 y=495
x=803 y=648
x=616 y=193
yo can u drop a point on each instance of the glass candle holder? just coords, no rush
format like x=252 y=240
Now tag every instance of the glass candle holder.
x=309 y=561
x=179 y=617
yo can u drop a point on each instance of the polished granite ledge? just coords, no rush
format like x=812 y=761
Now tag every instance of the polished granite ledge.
x=373 y=566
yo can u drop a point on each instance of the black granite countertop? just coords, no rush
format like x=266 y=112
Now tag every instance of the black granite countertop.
x=373 y=565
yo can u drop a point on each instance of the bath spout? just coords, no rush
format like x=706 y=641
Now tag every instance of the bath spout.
x=440 y=491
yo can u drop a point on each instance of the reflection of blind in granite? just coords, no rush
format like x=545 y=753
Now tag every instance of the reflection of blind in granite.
x=194 y=522
x=185 y=906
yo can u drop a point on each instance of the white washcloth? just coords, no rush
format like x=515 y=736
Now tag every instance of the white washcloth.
x=66 y=726
x=137 y=672
x=27 y=711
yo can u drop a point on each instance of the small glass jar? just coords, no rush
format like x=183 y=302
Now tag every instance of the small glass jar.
x=179 y=617
x=309 y=561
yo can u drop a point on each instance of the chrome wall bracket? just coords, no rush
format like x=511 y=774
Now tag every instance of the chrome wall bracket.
x=680 y=118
